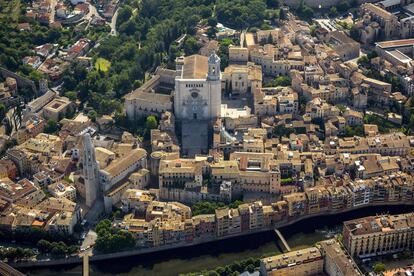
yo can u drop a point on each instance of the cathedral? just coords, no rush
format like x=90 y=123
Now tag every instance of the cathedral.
x=197 y=101
x=197 y=88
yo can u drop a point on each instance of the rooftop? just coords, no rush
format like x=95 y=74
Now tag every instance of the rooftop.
x=195 y=67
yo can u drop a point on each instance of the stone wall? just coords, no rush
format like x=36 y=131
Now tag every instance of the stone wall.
x=21 y=81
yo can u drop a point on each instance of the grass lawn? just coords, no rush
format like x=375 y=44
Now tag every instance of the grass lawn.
x=102 y=64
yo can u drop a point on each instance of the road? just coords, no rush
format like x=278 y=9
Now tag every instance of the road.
x=91 y=15
x=88 y=242
x=11 y=115
x=113 y=23
x=92 y=12
x=52 y=7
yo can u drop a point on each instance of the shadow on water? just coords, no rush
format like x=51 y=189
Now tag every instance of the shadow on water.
x=220 y=253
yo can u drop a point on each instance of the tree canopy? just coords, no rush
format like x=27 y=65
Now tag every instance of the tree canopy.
x=112 y=239
x=240 y=14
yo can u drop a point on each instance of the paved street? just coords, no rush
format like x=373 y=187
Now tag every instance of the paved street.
x=113 y=23
x=52 y=7
x=88 y=242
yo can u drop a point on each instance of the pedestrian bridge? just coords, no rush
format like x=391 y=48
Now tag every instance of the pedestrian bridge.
x=285 y=244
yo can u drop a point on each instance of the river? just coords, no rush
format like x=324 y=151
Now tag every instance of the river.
x=221 y=253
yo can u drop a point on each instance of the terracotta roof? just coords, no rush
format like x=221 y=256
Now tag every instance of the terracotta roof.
x=195 y=67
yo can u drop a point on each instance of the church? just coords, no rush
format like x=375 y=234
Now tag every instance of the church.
x=197 y=88
x=197 y=101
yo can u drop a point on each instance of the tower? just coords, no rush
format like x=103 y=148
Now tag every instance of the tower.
x=43 y=87
x=214 y=73
x=90 y=171
x=214 y=81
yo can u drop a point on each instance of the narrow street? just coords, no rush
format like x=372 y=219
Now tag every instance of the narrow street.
x=53 y=12
x=113 y=23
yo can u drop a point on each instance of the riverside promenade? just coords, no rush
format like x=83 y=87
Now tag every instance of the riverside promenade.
x=199 y=241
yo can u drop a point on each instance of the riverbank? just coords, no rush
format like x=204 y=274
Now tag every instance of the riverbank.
x=302 y=234
x=145 y=251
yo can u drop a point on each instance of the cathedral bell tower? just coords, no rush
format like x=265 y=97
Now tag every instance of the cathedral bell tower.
x=213 y=67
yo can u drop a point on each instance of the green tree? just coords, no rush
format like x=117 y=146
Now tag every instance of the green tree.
x=411 y=121
x=283 y=81
x=304 y=11
x=92 y=115
x=282 y=131
x=333 y=11
x=151 y=122
x=112 y=239
x=379 y=267
x=2 y=111
x=44 y=246
x=363 y=61
x=51 y=127
x=354 y=33
x=71 y=95
x=241 y=14
x=273 y=3
x=190 y=46
x=341 y=108
x=282 y=14
x=343 y=6
x=125 y=12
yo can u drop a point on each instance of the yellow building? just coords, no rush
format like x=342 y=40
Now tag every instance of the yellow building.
x=379 y=235
x=308 y=261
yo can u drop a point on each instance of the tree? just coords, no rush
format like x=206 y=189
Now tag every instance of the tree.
x=270 y=39
x=282 y=14
x=44 y=246
x=411 y=121
x=283 y=81
x=304 y=11
x=372 y=54
x=343 y=6
x=190 y=46
x=272 y=3
x=241 y=14
x=2 y=111
x=333 y=11
x=379 y=267
x=282 y=131
x=124 y=14
x=151 y=122
x=355 y=34
x=92 y=115
x=363 y=61
x=212 y=22
x=341 y=107
x=354 y=3
x=71 y=95
x=112 y=239
x=51 y=126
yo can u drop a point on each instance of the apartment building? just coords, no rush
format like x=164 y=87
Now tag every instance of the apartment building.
x=337 y=261
x=120 y=168
x=240 y=79
x=308 y=261
x=238 y=55
x=379 y=235
x=257 y=172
